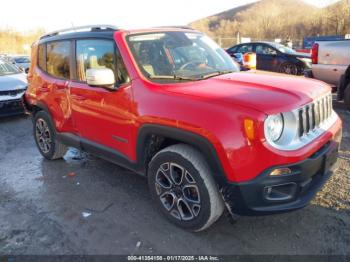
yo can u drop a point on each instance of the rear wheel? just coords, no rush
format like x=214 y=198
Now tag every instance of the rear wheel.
x=347 y=97
x=45 y=137
x=182 y=186
x=288 y=68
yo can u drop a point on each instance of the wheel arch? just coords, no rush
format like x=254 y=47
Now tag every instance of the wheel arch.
x=159 y=137
x=34 y=108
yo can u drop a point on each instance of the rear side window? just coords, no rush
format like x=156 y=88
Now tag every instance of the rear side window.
x=99 y=54
x=42 y=56
x=58 y=64
x=245 y=49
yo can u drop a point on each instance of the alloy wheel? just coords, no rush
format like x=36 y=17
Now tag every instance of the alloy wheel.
x=177 y=191
x=289 y=69
x=43 y=135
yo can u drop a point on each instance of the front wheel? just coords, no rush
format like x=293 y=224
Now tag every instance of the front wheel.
x=288 y=68
x=183 y=188
x=45 y=137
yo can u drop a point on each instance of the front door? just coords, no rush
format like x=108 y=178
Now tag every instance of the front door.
x=102 y=116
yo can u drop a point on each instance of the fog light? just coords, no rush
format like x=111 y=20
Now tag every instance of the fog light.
x=281 y=171
x=280 y=192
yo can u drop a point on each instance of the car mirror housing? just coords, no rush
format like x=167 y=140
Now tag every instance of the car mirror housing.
x=103 y=77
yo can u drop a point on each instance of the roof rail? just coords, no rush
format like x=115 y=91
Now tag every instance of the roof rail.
x=80 y=28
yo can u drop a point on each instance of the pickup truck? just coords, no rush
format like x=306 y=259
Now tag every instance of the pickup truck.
x=331 y=63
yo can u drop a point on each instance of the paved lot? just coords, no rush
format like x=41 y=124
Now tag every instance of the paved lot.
x=43 y=203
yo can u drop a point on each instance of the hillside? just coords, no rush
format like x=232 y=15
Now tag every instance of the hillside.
x=269 y=19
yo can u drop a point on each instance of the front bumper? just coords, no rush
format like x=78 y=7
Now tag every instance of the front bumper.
x=277 y=194
x=11 y=107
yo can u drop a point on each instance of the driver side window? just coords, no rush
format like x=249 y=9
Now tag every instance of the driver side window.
x=92 y=54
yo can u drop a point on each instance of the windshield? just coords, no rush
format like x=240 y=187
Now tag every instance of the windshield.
x=22 y=60
x=7 y=69
x=179 y=56
x=284 y=49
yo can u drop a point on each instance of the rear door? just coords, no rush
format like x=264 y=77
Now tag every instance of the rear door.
x=52 y=80
x=101 y=116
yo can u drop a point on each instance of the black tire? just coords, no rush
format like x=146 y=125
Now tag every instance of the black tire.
x=341 y=88
x=288 y=68
x=190 y=200
x=45 y=137
x=347 y=97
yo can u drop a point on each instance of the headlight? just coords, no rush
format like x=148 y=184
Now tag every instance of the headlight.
x=274 y=125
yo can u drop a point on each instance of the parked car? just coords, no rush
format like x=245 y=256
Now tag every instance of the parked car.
x=171 y=105
x=275 y=57
x=331 y=63
x=22 y=62
x=13 y=84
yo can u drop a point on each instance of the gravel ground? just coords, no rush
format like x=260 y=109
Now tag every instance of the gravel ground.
x=85 y=205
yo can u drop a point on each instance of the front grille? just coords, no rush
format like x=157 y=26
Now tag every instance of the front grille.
x=315 y=114
x=11 y=92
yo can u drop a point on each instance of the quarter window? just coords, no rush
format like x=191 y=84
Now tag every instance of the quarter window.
x=99 y=54
x=42 y=57
x=58 y=54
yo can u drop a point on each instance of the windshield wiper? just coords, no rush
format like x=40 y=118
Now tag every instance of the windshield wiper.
x=216 y=73
x=173 y=77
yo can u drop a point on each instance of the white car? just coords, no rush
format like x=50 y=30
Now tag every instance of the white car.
x=13 y=84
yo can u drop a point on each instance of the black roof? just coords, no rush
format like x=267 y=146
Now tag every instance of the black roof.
x=89 y=31
x=77 y=35
x=259 y=42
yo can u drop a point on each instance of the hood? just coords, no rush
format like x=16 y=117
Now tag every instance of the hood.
x=269 y=93
x=13 y=82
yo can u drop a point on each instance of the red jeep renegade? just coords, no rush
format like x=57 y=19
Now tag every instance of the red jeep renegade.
x=170 y=104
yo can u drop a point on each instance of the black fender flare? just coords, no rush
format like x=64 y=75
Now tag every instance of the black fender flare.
x=197 y=141
x=31 y=108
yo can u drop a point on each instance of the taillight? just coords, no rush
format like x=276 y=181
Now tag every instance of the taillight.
x=314 y=54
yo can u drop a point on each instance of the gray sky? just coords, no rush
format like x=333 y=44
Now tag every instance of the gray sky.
x=50 y=15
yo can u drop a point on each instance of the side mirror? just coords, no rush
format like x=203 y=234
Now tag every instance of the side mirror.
x=103 y=77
